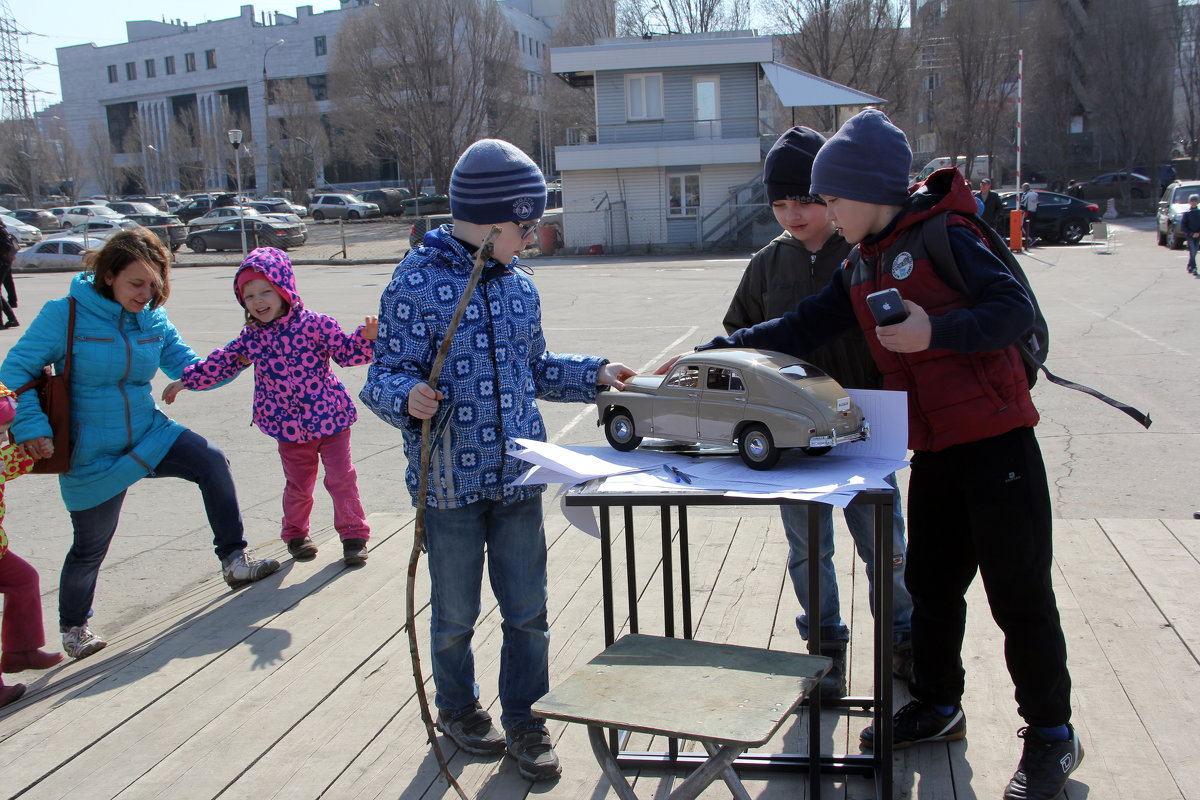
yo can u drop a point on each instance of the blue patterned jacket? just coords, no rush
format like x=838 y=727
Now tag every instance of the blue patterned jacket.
x=497 y=368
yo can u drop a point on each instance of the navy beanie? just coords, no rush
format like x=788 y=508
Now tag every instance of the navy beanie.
x=868 y=160
x=787 y=170
x=494 y=181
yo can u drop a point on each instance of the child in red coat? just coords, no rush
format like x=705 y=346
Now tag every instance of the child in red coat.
x=21 y=633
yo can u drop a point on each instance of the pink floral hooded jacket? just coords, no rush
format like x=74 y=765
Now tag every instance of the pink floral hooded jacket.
x=297 y=398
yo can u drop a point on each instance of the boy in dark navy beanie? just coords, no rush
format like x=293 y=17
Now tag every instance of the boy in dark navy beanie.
x=798 y=263
x=978 y=500
x=497 y=367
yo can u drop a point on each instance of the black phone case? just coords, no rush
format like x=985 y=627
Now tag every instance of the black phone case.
x=887 y=307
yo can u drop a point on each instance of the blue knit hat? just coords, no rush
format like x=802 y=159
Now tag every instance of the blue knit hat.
x=868 y=160
x=494 y=181
x=788 y=166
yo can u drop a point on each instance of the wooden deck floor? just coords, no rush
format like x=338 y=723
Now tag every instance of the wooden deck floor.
x=301 y=686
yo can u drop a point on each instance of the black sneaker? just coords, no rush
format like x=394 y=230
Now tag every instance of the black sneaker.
x=919 y=722
x=1045 y=766
x=302 y=549
x=354 y=552
x=832 y=685
x=902 y=659
x=472 y=730
x=534 y=752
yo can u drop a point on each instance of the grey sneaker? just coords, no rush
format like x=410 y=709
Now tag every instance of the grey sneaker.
x=531 y=747
x=241 y=567
x=80 y=642
x=918 y=722
x=472 y=730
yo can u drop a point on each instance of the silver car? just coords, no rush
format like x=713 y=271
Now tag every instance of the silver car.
x=763 y=401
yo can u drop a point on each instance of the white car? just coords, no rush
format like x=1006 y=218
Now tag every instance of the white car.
x=78 y=214
x=25 y=234
x=63 y=252
x=296 y=208
x=341 y=206
x=220 y=215
x=98 y=230
x=60 y=212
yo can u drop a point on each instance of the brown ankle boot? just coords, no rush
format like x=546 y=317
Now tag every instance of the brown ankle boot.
x=11 y=694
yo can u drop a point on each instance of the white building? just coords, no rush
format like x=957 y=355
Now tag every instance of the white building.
x=220 y=68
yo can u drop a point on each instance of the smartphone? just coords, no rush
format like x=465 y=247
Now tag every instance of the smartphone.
x=887 y=307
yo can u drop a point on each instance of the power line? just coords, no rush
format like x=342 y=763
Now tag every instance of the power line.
x=14 y=93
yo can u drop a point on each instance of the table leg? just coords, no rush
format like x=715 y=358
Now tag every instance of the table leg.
x=730 y=776
x=814 y=647
x=883 y=650
x=608 y=764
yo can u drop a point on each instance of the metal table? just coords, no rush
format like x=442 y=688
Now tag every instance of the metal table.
x=878 y=763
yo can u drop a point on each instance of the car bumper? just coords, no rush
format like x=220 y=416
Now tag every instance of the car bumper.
x=860 y=435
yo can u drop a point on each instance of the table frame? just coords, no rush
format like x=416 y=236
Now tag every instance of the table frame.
x=879 y=763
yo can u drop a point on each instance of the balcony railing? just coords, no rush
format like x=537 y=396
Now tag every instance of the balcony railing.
x=638 y=131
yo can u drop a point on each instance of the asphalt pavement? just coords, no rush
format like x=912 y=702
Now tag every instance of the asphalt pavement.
x=1123 y=322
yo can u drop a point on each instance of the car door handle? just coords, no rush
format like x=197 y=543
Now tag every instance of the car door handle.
x=693 y=394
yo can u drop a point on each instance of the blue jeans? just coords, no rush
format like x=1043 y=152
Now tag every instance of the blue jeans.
x=515 y=542
x=192 y=458
x=861 y=521
x=1192 y=243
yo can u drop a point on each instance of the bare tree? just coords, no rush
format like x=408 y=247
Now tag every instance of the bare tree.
x=583 y=23
x=19 y=154
x=298 y=135
x=1187 y=123
x=639 y=17
x=102 y=159
x=428 y=77
x=1052 y=100
x=863 y=44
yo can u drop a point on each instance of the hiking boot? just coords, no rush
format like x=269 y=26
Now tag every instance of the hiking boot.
x=534 y=752
x=354 y=552
x=241 y=567
x=11 y=694
x=22 y=660
x=302 y=549
x=832 y=685
x=1045 y=765
x=80 y=642
x=472 y=730
x=919 y=722
x=902 y=659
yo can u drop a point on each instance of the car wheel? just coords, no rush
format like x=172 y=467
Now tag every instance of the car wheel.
x=618 y=429
x=197 y=244
x=1162 y=239
x=318 y=216
x=1072 y=231
x=757 y=447
x=354 y=215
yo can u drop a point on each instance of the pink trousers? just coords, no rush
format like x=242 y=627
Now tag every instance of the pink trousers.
x=22 y=627
x=341 y=481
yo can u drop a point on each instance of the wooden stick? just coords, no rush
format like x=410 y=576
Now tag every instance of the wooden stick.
x=485 y=253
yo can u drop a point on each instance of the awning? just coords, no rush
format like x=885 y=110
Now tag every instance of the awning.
x=795 y=88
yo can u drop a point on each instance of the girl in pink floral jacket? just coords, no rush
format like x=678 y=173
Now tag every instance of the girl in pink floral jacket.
x=297 y=398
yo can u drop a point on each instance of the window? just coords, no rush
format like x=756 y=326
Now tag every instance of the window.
x=131 y=70
x=685 y=378
x=169 y=65
x=189 y=62
x=149 y=67
x=683 y=195
x=210 y=59
x=643 y=96
x=319 y=46
x=725 y=380
x=112 y=73
x=71 y=249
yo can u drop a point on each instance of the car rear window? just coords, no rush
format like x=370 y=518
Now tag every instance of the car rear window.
x=799 y=372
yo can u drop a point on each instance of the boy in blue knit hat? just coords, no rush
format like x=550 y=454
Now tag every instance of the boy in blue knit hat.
x=498 y=366
x=978 y=499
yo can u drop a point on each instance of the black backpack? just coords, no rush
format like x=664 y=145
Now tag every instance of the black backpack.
x=8 y=246
x=1034 y=344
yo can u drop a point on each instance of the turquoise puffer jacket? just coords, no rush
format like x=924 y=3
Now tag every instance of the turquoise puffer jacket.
x=118 y=433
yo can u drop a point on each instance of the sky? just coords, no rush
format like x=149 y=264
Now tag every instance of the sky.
x=60 y=23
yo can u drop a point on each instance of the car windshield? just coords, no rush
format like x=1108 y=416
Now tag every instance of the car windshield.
x=799 y=372
x=1184 y=192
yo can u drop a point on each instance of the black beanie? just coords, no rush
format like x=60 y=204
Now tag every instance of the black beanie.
x=787 y=169
x=868 y=160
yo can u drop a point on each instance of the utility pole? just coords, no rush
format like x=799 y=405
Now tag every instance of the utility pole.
x=14 y=94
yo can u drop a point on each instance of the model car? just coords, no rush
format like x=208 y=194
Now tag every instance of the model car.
x=763 y=401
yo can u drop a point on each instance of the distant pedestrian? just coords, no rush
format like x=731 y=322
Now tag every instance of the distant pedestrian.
x=1029 y=204
x=8 y=251
x=297 y=398
x=1190 y=225
x=1074 y=189
x=993 y=206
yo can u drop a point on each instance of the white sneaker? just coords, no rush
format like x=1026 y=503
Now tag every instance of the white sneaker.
x=80 y=642
x=241 y=567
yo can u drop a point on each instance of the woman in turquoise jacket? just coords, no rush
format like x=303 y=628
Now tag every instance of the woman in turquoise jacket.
x=118 y=434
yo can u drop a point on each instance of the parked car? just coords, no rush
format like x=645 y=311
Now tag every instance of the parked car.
x=128 y=207
x=1170 y=210
x=1113 y=184
x=763 y=401
x=59 y=212
x=390 y=200
x=25 y=234
x=198 y=205
x=221 y=215
x=341 y=206
x=92 y=201
x=292 y=219
x=169 y=228
x=59 y=252
x=98 y=229
x=294 y=208
x=1060 y=217
x=259 y=233
x=39 y=218
x=426 y=204
x=77 y=214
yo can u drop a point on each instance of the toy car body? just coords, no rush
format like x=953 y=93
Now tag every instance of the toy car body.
x=763 y=401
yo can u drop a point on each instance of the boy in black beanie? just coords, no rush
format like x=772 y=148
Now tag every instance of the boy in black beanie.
x=796 y=264
x=978 y=499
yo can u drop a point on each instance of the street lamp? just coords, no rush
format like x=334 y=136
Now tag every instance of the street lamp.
x=267 y=112
x=235 y=139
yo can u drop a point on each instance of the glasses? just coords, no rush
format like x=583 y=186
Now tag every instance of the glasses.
x=528 y=228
